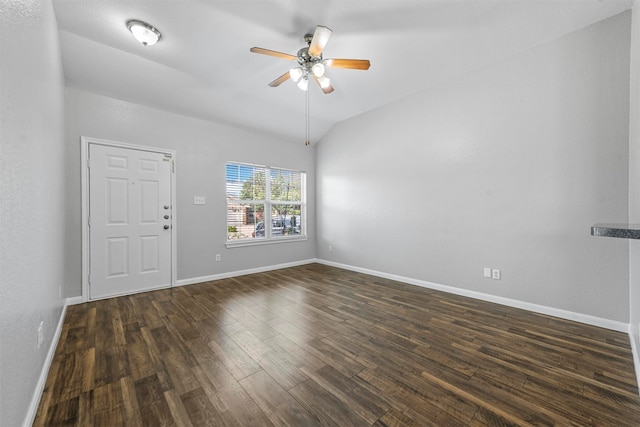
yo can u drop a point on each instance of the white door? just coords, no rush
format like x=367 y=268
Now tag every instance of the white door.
x=130 y=218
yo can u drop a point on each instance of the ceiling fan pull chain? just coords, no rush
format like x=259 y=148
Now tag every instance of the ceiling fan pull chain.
x=307 y=142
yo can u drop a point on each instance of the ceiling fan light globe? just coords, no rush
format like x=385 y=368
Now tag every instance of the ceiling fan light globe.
x=303 y=84
x=318 y=69
x=295 y=74
x=324 y=81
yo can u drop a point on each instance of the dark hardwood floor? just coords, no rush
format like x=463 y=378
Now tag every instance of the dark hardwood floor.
x=320 y=346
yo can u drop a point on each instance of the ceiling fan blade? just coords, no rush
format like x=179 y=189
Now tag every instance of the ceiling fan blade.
x=277 y=82
x=325 y=84
x=353 y=64
x=319 y=40
x=273 y=53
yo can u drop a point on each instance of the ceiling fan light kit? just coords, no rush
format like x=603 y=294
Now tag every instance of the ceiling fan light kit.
x=312 y=64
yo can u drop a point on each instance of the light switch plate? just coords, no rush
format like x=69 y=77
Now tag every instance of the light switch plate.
x=199 y=200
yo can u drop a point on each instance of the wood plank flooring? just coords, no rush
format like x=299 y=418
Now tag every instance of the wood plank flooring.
x=320 y=346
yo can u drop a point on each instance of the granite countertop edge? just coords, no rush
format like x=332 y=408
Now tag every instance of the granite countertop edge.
x=623 y=231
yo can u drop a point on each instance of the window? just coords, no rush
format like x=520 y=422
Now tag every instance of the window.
x=264 y=204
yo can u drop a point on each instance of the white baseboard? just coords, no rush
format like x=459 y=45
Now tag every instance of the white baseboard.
x=636 y=353
x=44 y=373
x=550 y=311
x=193 y=280
x=75 y=300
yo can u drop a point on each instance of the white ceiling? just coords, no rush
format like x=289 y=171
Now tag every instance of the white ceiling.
x=202 y=67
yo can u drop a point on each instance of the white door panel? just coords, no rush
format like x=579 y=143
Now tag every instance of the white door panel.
x=130 y=250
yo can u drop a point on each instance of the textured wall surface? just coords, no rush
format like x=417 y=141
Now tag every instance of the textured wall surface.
x=33 y=195
x=202 y=149
x=506 y=167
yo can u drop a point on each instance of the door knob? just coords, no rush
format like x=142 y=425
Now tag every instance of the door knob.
x=166 y=217
x=166 y=206
x=166 y=227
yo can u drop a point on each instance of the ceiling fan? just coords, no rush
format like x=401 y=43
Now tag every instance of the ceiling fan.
x=311 y=63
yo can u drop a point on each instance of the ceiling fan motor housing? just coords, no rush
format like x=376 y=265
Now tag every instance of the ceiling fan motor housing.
x=308 y=38
x=306 y=60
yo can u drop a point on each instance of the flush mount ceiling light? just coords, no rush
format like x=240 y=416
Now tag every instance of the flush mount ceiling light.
x=146 y=34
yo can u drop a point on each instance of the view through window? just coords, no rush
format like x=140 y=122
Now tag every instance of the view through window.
x=264 y=203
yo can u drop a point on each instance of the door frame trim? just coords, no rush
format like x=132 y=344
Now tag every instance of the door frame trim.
x=85 y=141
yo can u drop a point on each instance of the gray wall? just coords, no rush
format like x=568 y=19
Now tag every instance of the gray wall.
x=506 y=167
x=634 y=177
x=32 y=201
x=202 y=149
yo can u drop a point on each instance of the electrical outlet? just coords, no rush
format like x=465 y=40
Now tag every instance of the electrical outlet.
x=199 y=200
x=40 y=333
x=495 y=274
x=218 y=257
x=487 y=272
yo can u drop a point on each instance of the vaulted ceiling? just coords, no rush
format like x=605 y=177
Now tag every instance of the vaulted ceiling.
x=202 y=67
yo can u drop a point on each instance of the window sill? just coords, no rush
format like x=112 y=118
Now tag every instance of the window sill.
x=254 y=242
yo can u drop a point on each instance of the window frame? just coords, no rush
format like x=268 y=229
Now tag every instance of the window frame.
x=268 y=204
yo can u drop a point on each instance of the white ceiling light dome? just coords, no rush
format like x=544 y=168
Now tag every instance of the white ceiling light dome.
x=146 y=34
